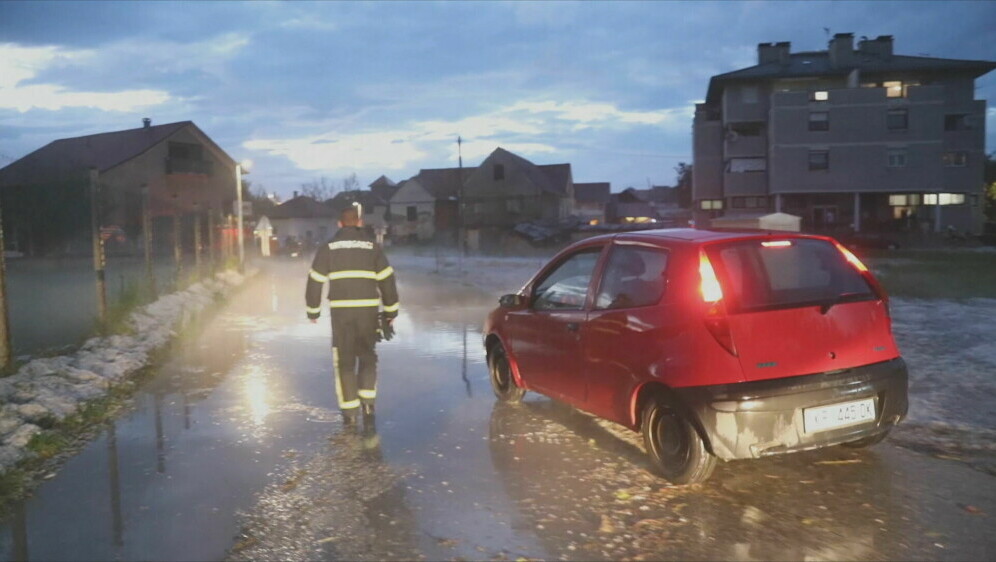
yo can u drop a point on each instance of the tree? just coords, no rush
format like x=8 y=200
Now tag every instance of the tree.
x=683 y=183
x=320 y=189
x=350 y=183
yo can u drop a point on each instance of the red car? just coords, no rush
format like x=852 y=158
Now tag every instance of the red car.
x=715 y=345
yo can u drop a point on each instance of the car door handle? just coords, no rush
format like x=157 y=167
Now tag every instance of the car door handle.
x=573 y=326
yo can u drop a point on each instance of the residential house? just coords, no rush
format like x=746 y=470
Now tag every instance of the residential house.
x=590 y=200
x=384 y=188
x=302 y=221
x=506 y=189
x=45 y=195
x=424 y=207
x=847 y=138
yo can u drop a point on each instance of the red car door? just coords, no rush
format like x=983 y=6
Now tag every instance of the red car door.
x=545 y=338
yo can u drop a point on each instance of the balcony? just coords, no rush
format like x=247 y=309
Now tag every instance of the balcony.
x=188 y=166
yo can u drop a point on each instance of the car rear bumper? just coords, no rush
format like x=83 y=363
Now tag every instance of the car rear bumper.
x=757 y=419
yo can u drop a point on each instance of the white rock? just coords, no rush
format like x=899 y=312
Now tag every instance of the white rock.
x=20 y=437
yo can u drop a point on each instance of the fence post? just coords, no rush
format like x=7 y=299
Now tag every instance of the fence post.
x=211 y=238
x=5 y=352
x=177 y=251
x=197 y=241
x=99 y=263
x=147 y=233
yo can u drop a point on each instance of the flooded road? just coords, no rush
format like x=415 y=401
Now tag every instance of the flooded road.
x=235 y=450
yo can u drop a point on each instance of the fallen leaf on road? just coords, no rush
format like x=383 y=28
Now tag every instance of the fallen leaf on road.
x=622 y=495
x=325 y=540
x=972 y=509
x=848 y=461
x=606 y=526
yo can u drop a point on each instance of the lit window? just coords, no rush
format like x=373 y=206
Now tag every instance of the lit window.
x=819 y=121
x=897 y=157
x=711 y=204
x=929 y=198
x=897 y=119
x=898 y=200
x=954 y=159
x=894 y=89
x=820 y=95
x=951 y=198
x=819 y=160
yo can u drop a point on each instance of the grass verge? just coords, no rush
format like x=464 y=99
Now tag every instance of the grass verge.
x=932 y=274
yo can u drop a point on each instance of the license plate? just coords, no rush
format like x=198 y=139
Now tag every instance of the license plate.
x=839 y=415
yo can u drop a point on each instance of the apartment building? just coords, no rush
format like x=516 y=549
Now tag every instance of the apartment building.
x=847 y=138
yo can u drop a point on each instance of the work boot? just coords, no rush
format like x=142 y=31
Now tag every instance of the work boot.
x=349 y=419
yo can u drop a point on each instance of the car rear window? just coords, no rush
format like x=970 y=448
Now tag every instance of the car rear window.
x=767 y=274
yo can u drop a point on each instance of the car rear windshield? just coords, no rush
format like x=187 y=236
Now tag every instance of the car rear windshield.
x=770 y=274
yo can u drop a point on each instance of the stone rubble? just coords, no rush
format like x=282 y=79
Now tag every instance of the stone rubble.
x=49 y=389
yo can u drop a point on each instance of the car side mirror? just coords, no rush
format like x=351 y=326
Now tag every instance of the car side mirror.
x=511 y=301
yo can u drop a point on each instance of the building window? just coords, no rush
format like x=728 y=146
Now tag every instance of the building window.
x=904 y=199
x=819 y=121
x=819 y=160
x=897 y=120
x=412 y=213
x=954 y=159
x=897 y=157
x=748 y=94
x=944 y=199
x=185 y=151
x=499 y=171
x=819 y=95
x=740 y=165
x=956 y=122
x=749 y=202
x=894 y=89
x=711 y=204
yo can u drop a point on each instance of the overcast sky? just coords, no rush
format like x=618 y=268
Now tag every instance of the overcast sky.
x=310 y=89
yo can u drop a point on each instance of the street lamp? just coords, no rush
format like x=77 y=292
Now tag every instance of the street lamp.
x=241 y=168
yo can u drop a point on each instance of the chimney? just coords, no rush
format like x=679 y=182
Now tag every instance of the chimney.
x=295 y=195
x=841 y=50
x=773 y=52
x=881 y=46
x=146 y=122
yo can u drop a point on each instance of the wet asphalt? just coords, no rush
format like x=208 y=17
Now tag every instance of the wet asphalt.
x=234 y=450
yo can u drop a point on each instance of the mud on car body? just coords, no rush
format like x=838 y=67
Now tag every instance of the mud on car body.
x=715 y=345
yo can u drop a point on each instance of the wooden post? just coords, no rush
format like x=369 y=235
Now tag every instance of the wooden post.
x=150 y=276
x=5 y=352
x=99 y=263
x=212 y=258
x=177 y=250
x=197 y=241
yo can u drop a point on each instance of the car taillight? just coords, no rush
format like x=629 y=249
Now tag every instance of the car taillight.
x=715 y=319
x=711 y=291
x=852 y=259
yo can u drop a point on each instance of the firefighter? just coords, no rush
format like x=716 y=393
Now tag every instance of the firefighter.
x=363 y=303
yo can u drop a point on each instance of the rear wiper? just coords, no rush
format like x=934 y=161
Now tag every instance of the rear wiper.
x=843 y=297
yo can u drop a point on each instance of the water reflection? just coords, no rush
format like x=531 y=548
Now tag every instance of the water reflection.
x=796 y=507
x=257 y=396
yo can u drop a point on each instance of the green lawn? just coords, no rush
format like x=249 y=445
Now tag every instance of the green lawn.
x=948 y=273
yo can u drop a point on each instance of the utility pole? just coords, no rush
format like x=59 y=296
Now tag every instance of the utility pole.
x=238 y=198
x=150 y=276
x=461 y=234
x=5 y=353
x=99 y=263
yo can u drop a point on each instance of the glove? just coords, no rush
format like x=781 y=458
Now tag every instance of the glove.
x=386 y=330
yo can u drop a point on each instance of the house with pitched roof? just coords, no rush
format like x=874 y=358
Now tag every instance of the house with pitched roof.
x=302 y=221
x=424 y=207
x=45 y=195
x=506 y=190
x=374 y=207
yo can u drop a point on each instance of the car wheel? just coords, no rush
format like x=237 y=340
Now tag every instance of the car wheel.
x=502 y=381
x=867 y=441
x=676 y=450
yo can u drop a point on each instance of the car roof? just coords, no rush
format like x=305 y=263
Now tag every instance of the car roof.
x=695 y=235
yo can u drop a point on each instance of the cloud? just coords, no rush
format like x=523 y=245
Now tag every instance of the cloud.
x=19 y=64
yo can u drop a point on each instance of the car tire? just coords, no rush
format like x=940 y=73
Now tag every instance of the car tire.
x=502 y=381
x=867 y=441
x=676 y=450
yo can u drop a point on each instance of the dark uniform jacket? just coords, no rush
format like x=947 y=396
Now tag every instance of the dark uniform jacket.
x=357 y=272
